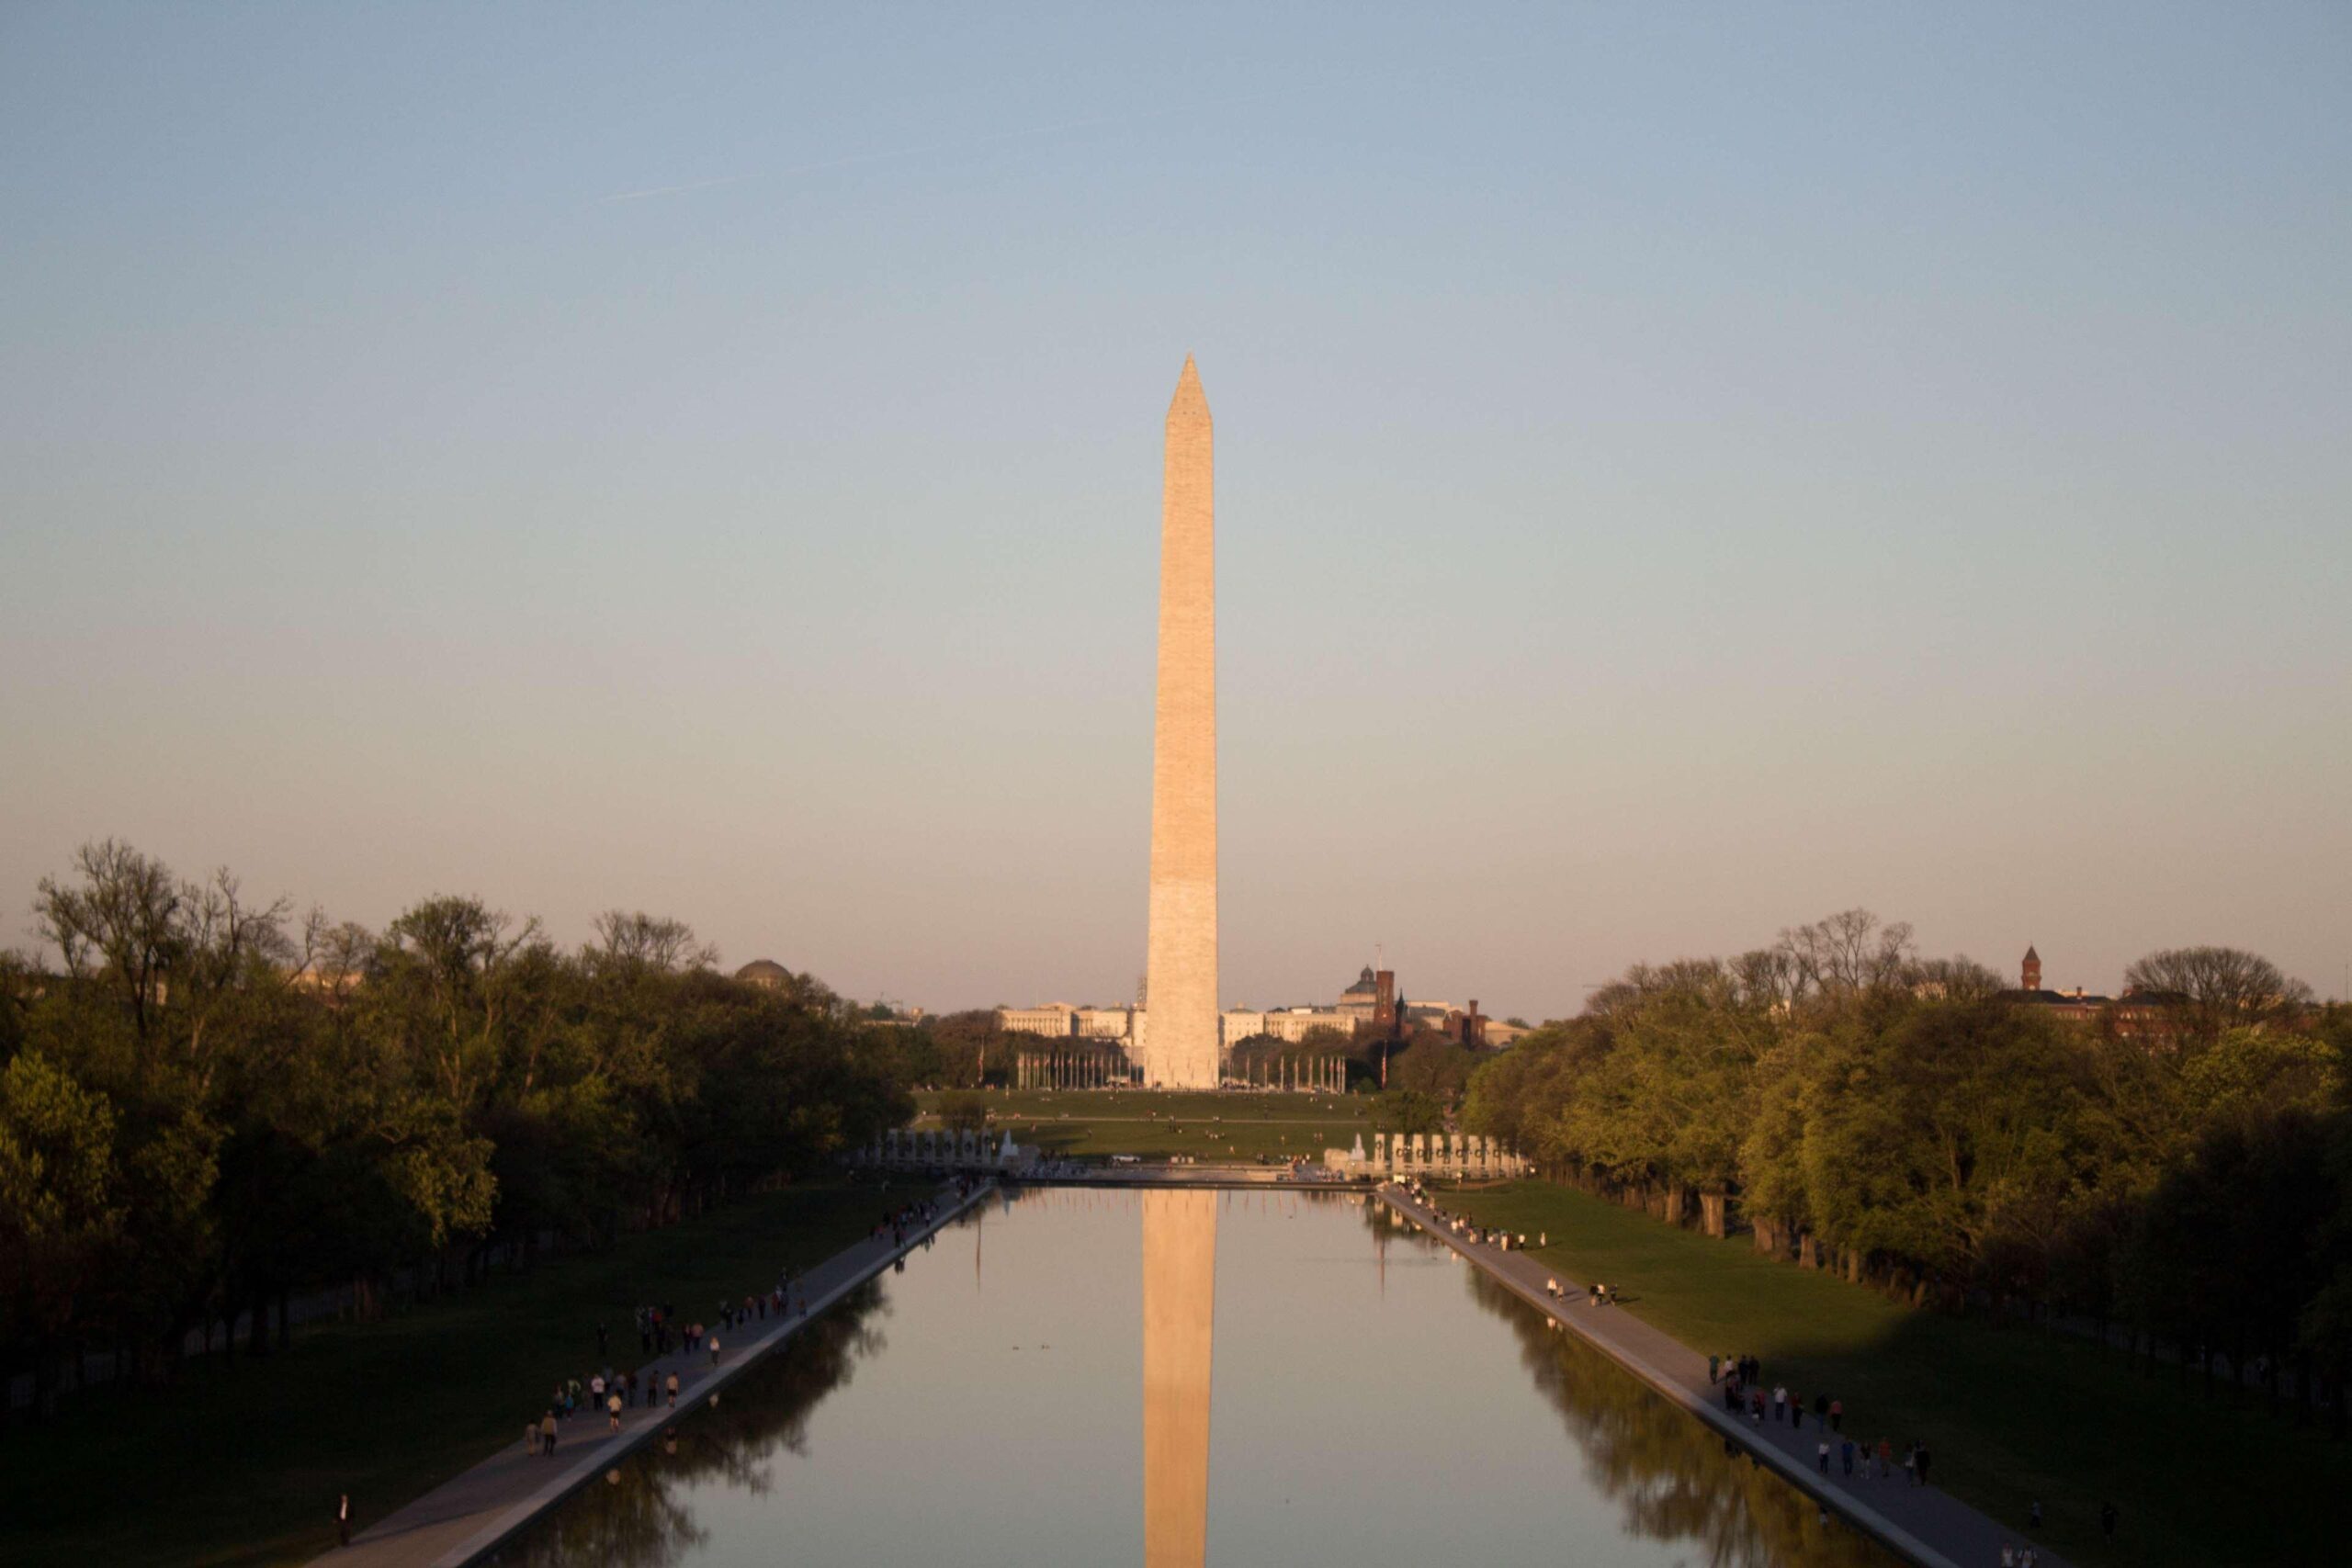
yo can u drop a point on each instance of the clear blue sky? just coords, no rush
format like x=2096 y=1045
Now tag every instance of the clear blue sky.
x=1682 y=471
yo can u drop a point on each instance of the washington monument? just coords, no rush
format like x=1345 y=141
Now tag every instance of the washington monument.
x=1179 y=1037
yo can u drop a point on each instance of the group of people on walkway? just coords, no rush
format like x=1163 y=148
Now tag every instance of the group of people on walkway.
x=1481 y=1236
x=1741 y=1380
x=659 y=1334
x=659 y=1331
x=1595 y=1295
x=899 y=1222
x=606 y=1391
x=918 y=1213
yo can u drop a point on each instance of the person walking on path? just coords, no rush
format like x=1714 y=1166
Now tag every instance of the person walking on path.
x=714 y=1349
x=1845 y=1455
x=1836 y=1415
x=531 y=1437
x=612 y=1404
x=1920 y=1468
x=342 y=1521
x=1779 y=1402
x=1822 y=1452
x=1714 y=1363
x=1885 y=1458
x=673 y=1391
x=547 y=1435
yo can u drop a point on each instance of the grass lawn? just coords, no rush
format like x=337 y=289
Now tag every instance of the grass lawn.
x=242 y=1464
x=2012 y=1413
x=1225 y=1125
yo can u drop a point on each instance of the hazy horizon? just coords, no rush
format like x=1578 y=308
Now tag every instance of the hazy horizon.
x=1679 y=475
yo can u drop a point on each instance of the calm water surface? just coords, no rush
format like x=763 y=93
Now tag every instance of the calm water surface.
x=1086 y=1377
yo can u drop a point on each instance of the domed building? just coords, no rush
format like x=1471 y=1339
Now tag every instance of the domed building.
x=1372 y=1000
x=765 y=971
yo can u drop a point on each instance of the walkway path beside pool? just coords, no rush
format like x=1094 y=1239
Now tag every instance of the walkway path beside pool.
x=457 y=1522
x=1925 y=1523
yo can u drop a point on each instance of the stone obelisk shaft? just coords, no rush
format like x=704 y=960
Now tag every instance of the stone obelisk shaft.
x=1181 y=1022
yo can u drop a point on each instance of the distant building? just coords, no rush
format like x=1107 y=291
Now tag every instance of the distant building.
x=765 y=971
x=1055 y=1020
x=1105 y=1023
x=2077 y=1006
x=1428 y=1015
x=1289 y=1025
x=1370 y=1007
x=333 y=985
x=1360 y=1001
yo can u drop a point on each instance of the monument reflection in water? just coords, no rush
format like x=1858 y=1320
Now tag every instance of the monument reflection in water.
x=1376 y=1401
x=1179 y=1314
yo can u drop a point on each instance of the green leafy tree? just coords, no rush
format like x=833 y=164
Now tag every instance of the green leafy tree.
x=1408 y=1111
x=2207 y=991
x=62 y=1210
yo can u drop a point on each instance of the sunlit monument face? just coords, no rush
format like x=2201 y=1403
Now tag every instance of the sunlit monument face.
x=1179 y=1300
x=1179 y=1037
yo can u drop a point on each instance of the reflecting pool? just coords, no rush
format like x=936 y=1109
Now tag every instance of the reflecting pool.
x=1077 y=1376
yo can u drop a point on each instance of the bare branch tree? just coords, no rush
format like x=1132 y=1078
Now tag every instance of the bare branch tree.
x=1849 y=952
x=634 y=938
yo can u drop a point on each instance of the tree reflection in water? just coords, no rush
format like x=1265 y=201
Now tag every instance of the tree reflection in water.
x=636 y=1515
x=1666 y=1469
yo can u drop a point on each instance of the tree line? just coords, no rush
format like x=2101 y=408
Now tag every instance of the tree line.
x=2178 y=1167
x=208 y=1107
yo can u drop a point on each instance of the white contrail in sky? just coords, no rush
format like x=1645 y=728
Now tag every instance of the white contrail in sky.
x=856 y=158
